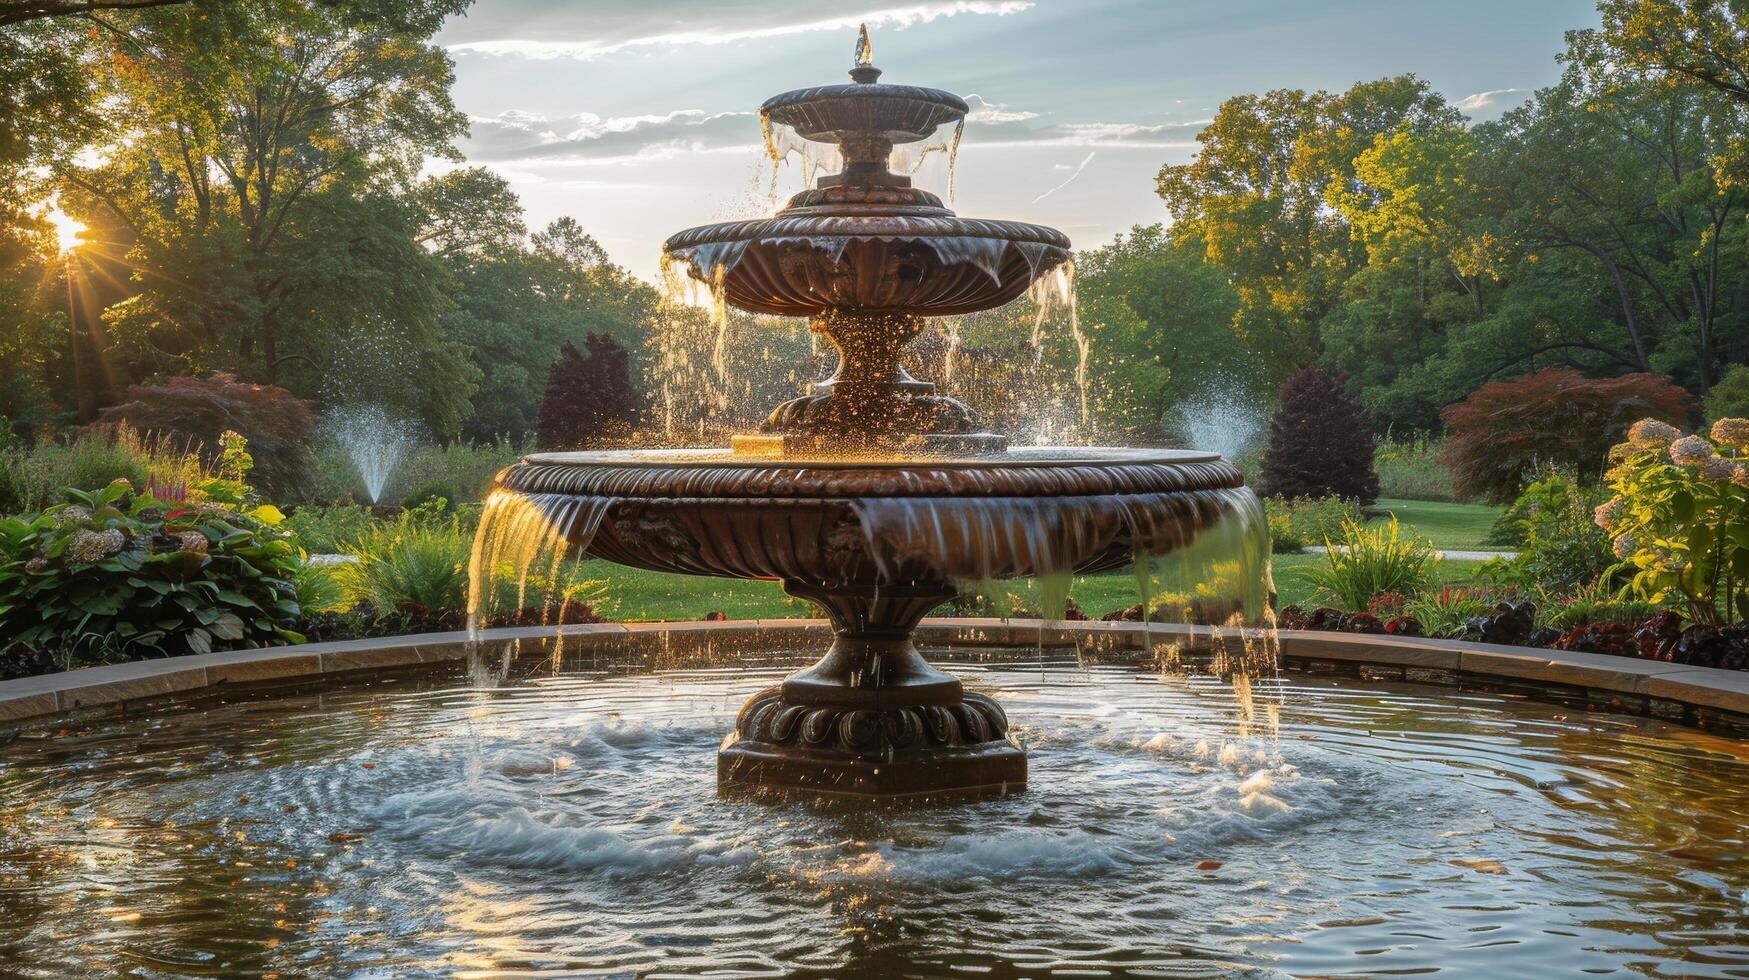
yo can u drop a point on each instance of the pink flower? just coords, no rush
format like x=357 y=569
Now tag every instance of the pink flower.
x=1719 y=468
x=1740 y=475
x=1652 y=432
x=1608 y=513
x=1731 y=432
x=1691 y=450
x=192 y=541
x=1625 y=545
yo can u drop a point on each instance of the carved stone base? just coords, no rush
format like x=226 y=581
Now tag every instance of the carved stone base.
x=783 y=748
x=872 y=719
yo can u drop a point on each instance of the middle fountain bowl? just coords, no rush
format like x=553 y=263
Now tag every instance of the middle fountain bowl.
x=872 y=497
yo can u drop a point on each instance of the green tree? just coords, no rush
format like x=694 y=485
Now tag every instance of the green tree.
x=262 y=161
x=1260 y=199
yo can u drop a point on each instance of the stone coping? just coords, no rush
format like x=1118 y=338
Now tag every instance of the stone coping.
x=1675 y=691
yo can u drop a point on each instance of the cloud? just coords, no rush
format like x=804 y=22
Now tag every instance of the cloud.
x=712 y=26
x=523 y=137
x=1473 y=104
x=985 y=111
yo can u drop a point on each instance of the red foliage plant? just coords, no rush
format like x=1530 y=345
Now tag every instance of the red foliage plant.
x=1321 y=442
x=589 y=399
x=194 y=412
x=1506 y=432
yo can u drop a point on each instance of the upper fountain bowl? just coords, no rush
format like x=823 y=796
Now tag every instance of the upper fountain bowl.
x=836 y=113
x=864 y=241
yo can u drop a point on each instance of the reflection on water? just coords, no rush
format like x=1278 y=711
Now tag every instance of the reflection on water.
x=568 y=824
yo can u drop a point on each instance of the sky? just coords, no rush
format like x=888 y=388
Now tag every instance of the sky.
x=639 y=117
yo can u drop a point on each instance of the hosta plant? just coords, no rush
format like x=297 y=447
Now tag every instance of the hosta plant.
x=1680 y=517
x=115 y=575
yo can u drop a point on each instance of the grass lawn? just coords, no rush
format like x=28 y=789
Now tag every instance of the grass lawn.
x=1451 y=526
x=636 y=596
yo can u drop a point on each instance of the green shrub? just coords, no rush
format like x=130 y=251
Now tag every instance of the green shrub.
x=431 y=493
x=1680 y=516
x=92 y=461
x=1295 y=525
x=327 y=530
x=1409 y=469
x=418 y=559
x=1444 y=612
x=115 y=575
x=1559 y=543
x=1370 y=561
x=1587 y=604
x=1729 y=396
x=318 y=589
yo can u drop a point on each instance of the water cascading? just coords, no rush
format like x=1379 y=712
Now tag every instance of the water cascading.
x=872 y=495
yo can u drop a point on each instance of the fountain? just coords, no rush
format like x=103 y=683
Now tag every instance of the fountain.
x=373 y=441
x=873 y=495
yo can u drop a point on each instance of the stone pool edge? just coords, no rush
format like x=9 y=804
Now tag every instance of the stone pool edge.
x=1699 y=695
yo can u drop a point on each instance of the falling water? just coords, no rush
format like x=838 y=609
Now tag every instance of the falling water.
x=519 y=533
x=374 y=442
x=1054 y=296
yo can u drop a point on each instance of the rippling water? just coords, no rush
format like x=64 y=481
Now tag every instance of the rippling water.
x=569 y=825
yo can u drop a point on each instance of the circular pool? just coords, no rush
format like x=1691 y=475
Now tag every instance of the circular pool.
x=567 y=822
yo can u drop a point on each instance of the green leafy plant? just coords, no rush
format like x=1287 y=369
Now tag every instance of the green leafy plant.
x=1369 y=561
x=116 y=575
x=420 y=558
x=1560 y=546
x=327 y=530
x=1680 y=516
x=1298 y=524
x=1587 y=604
x=1445 y=611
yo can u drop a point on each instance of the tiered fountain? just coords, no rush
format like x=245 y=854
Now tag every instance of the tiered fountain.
x=872 y=496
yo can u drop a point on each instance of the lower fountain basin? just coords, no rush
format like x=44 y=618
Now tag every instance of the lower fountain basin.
x=562 y=819
x=834 y=524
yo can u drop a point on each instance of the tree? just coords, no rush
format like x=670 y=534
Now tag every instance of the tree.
x=1159 y=320
x=19 y=11
x=517 y=304
x=194 y=413
x=589 y=399
x=260 y=164
x=1508 y=432
x=1321 y=442
x=1260 y=200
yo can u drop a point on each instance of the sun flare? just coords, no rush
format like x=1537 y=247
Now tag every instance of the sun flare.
x=68 y=230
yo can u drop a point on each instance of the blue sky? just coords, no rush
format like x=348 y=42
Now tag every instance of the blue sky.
x=639 y=118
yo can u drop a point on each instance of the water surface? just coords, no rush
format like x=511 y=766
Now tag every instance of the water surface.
x=568 y=825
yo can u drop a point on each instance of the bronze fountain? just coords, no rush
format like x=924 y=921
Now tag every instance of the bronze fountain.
x=872 y=495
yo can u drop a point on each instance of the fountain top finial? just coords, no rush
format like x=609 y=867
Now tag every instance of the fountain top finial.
x=865 y=73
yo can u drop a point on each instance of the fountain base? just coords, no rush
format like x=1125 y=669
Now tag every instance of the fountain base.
x=872 y=719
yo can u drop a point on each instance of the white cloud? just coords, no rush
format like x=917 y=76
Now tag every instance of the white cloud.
x=1483 y=100
x=985 y=111
x=526 y=137
x=897 y=18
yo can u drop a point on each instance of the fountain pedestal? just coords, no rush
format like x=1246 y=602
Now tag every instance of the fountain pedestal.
x=872 y=718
